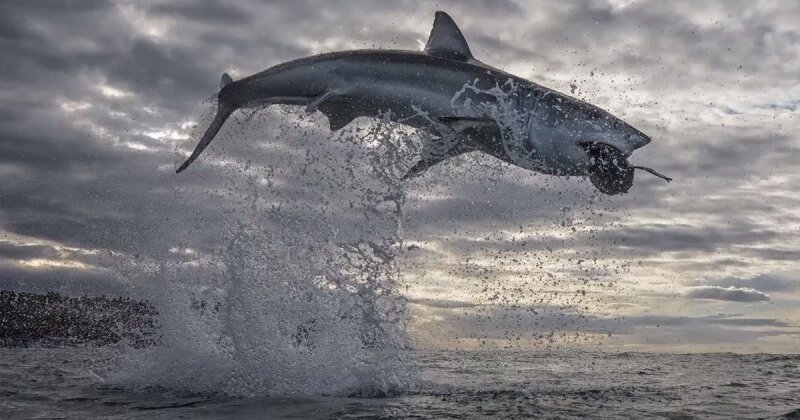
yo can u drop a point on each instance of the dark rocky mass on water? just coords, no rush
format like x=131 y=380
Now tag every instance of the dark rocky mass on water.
x=27 y=318
x=54 y=319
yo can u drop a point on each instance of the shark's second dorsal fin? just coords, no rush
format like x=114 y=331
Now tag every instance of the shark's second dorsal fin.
x=446 y=40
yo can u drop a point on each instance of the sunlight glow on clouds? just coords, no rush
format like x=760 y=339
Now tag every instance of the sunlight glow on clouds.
x=113 y=92
x=44 y=263
x=734 y=294
x=71 y=106
x=143 y=24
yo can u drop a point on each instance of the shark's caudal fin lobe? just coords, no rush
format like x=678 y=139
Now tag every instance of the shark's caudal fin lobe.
x=225 y=80
x=446 y=40
x=222 y=114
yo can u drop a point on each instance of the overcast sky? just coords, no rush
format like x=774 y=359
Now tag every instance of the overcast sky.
x=100 y=100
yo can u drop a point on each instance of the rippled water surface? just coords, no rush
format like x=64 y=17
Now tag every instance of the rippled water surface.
x=67 y=383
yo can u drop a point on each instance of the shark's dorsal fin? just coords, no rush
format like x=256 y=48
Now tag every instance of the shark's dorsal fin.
x=225 y=80
x=446 y=39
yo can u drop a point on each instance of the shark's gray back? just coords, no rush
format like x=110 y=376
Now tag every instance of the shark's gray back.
x=407 y=83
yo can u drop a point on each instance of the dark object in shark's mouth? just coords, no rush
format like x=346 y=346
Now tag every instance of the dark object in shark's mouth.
x=610 y=171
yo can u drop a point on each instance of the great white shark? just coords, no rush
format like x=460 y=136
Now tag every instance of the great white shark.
x=465 y=104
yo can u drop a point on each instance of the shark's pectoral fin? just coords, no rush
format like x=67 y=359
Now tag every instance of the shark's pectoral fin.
x=448 y=143
x=483 y=134
x=461 y=135
x=429 y=160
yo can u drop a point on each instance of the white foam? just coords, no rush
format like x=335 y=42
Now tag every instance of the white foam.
x=299 y=295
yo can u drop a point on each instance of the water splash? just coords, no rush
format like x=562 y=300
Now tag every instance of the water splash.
x=299 y=294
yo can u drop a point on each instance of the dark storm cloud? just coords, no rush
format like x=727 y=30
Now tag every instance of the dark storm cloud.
x=711 y=320
x=685 y=37
x=505 y=322
x=510 y=322
x=82 y=190
x=667 y=238
x=732 y=294
x=208 y=11
x=644 y=240
x=773 y=254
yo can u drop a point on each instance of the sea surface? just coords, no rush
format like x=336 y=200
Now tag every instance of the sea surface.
x=64 y=383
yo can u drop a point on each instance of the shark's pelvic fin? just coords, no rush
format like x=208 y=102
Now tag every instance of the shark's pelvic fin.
x=338 y=119
x=432 y=159
x=225 y=80
x=336 y=106
x=446 y=40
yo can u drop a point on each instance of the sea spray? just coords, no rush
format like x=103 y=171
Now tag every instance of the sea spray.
x=298 y=295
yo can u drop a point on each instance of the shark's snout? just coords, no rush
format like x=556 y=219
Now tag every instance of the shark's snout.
x=637 y=139
x=626 y=139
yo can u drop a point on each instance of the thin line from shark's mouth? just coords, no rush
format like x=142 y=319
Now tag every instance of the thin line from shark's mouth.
x=588 y=145
x=609 y=169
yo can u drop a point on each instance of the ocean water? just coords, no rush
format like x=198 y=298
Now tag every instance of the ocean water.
x=66 y=383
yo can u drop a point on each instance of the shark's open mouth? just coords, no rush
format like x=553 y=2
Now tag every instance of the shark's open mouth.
x=610 y=171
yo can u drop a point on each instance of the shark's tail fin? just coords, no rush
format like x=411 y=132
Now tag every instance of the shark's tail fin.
x=223 y=112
